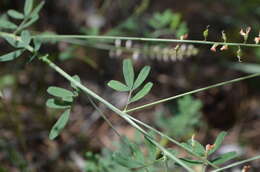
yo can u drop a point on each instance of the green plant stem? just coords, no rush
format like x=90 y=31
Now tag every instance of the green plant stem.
x=193 y=91
x=128 y=99
x=237 y=163
x=172 y=140
x=103 y=116
x=60 y=37
x=114 y=109
x=64 y=74
x=204 y=168
x=17 y=38
x=20 y=27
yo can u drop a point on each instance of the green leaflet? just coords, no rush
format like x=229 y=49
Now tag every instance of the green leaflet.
x=57 y=104
x=191 y=162
x=197 y=147
x=37 y=9
x=143 y=92
x=15 y=14
x=128 y=72
x=142 y=76
x=11 y=56
x=26 y=37
x=60 y=92
x=60 y=124
x=77 y=78
x=5 y=24
x=224 y=157
x=37 y=44
x=118 y=86
x=218 y=142
x=28 y=7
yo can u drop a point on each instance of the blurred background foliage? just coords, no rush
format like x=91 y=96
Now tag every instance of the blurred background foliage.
x=25 y=121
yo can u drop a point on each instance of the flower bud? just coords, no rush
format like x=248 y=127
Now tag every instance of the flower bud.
x=185 y=36
x=224 y=47
x=246 y=168
x=213 y=48
x=245 y=34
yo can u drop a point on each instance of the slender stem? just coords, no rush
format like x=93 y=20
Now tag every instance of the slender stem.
x=193 y=91
x=204 y=168
x=166 y=165
x=60 y=37
x=237 y=163
x=114 y=109
x=103 y=115
x=172 y=140
x=17 y=38
x=89 y=92
x=128 y=99
x=20 y=26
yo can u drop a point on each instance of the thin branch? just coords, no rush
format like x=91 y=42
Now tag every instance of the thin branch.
x=114 y=109
x=193 y=91
x=60 y=37
x=237 y=163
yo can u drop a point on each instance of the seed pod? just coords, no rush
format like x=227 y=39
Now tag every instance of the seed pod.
x=213 y=48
